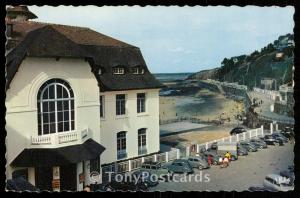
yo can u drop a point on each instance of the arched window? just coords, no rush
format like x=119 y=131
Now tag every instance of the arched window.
x=55 y=104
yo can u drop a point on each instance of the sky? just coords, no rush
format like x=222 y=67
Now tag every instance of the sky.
x=180 y=39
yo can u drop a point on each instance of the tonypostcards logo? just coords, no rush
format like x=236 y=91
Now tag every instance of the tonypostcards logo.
x=153 y=178
x=95 y=177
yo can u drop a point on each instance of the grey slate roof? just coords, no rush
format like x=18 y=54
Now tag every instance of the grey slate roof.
x=50 y=40
x=45 y=157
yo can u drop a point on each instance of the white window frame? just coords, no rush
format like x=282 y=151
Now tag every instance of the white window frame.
x=142 y=137
x=139 y=106
x=118 y=70
x=138 y=70
x=55 y=100
x=120 y=106
x=122 y=151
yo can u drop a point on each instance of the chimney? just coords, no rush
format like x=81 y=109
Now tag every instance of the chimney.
x=19 y=13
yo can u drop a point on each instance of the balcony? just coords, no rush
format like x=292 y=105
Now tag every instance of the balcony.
x=61 y=139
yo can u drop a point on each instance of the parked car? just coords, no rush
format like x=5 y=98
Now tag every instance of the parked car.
x=126 y=186
x=198 y=162
x=20 y=184
x=145 y=176
x=155 y=168
x=237 y=130
x=277 y=183
x=270 y=140
x=259 y=143
x=280 y=137
x=289 y=174
x=241 y=151
x=249 y=146
x=214 y=146
x=288 y=132
x=100 y=187
x=258 y=188
x=215 y=157
x=180 y=166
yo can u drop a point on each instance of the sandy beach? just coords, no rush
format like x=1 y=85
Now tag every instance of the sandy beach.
x=204 y=104
x=198 y=136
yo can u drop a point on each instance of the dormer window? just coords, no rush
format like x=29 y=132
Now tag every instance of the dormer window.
x=118 y=70
x=138 y=70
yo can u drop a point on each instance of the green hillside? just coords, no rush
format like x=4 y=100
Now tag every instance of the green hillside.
x=250 y=69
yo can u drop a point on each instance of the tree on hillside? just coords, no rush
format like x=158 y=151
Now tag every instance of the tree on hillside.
x=255 y=53
x=224 y=62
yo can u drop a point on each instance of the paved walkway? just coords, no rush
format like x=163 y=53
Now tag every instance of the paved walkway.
x=179 y=127
x=265 y=108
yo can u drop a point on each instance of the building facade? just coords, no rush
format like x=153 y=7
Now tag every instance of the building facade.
x=75 y=99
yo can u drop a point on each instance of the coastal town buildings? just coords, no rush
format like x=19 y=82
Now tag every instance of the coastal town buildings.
x=268 y=84
x=75 y=99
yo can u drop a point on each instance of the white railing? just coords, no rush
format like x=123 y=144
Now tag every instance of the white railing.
x=60 y=138
x=134 y=164
x=45 y=139
x=67 y=137
x=234 y=138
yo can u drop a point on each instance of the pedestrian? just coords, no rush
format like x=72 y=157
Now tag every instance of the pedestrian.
x=225 y=162
x=87 y=188
x=220 y=160
x=227 y=155
x=209 y=160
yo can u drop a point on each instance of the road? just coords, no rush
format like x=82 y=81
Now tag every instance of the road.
x=240 y=175
x=265 y=111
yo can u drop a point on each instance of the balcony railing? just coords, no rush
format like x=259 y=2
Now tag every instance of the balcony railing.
x=45 y=139
x=67 y=137
x=61 y=138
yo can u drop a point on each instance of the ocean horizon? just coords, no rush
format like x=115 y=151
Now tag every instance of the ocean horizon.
x=165 y=77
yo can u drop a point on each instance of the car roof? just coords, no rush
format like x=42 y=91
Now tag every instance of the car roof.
x=196 y=157
x=180 y=160
x=276 y=177
x=151 y=163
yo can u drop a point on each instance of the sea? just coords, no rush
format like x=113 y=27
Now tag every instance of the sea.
x=167 y=77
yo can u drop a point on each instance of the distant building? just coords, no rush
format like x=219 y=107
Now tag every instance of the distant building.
x=279 y=55
x=268 y=84
x=285 y=105
x=284 y=42
x=235 y=60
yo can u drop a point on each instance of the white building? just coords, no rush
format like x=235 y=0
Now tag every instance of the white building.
x=75 y=99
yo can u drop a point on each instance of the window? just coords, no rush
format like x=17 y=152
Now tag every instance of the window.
x=99 y=71
x=102 y=105
x=118 y=70
x=120 y=104
x=142 y=149
x=141 y=98
x=55 y=104
x=121 y=145
x=138 y=70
